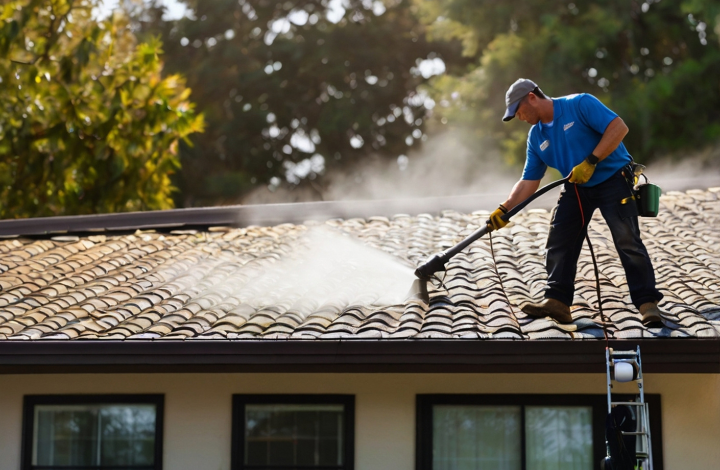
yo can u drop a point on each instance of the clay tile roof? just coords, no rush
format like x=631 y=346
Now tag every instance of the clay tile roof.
x=183 y=284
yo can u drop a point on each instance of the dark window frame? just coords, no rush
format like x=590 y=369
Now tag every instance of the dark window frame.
x=424 y=414
x=237 y=460
x=30 y=401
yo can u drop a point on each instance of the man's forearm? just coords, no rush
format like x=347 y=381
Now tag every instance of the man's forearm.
x=614 y=134
x=522 y=190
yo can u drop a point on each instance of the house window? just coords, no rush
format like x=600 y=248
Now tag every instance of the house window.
x=293 y=432
x=517 y=432
x=92 y=432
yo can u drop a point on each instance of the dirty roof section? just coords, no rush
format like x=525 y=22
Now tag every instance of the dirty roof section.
x=151 y=285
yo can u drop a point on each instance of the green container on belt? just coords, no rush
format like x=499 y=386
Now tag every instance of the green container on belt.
x=648 y=199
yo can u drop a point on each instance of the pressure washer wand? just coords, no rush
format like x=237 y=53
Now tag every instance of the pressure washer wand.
x=437 y=262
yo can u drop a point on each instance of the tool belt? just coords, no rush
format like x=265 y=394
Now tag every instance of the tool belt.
x=646 y=195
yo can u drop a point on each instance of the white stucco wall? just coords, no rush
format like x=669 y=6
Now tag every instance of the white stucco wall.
x=198 y=409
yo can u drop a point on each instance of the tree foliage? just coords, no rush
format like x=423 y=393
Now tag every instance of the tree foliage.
x=290 y=89
x=655 y=63
x=90 y=122
x=87 y=122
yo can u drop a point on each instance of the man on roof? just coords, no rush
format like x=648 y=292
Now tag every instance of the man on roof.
x=580 y=137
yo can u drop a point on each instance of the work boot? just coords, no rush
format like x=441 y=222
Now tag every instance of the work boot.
x=651 y=315
x=549 y=308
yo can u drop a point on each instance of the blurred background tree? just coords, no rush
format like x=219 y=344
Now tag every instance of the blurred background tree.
x=656 y=63
x=87 y=122
x=295 y=93
x=293 y=89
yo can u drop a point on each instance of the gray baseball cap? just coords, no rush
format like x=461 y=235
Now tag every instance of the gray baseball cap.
x=515 y=93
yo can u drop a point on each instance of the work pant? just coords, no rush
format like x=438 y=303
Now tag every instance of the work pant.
x=567 y=234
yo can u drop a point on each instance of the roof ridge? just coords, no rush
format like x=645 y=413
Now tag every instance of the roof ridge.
x=264 y=214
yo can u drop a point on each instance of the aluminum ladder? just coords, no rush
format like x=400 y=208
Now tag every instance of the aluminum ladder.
x=639 y=408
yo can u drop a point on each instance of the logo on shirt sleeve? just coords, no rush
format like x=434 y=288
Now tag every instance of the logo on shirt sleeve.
x=568 y=125
x=544 y=145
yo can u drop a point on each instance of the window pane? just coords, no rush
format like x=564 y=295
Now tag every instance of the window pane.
x=293 y=435
x=558 y=438
x=127 y=435
x=94 y=435
x=476 y=437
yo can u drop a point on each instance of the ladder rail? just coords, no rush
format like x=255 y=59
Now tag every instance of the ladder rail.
x=609 y=382
x=648 y=440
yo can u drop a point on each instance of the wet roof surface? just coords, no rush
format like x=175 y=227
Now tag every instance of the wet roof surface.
x=185 y=285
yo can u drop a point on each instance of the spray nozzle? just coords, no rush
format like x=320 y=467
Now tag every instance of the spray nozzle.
x=434 y=264
x=425 y=273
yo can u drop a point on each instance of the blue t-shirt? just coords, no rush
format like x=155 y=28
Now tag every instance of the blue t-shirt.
x=579 y=122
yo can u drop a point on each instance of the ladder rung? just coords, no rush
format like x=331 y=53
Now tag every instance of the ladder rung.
x=623 y=353
x=633 y=433
x=628 y=403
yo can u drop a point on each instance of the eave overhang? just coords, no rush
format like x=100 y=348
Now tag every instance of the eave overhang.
x=357 y=356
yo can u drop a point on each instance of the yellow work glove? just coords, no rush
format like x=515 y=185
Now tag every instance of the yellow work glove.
x=495 y=222
x=581 y=174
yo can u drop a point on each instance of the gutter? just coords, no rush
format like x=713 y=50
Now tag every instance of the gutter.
x=378 y=356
